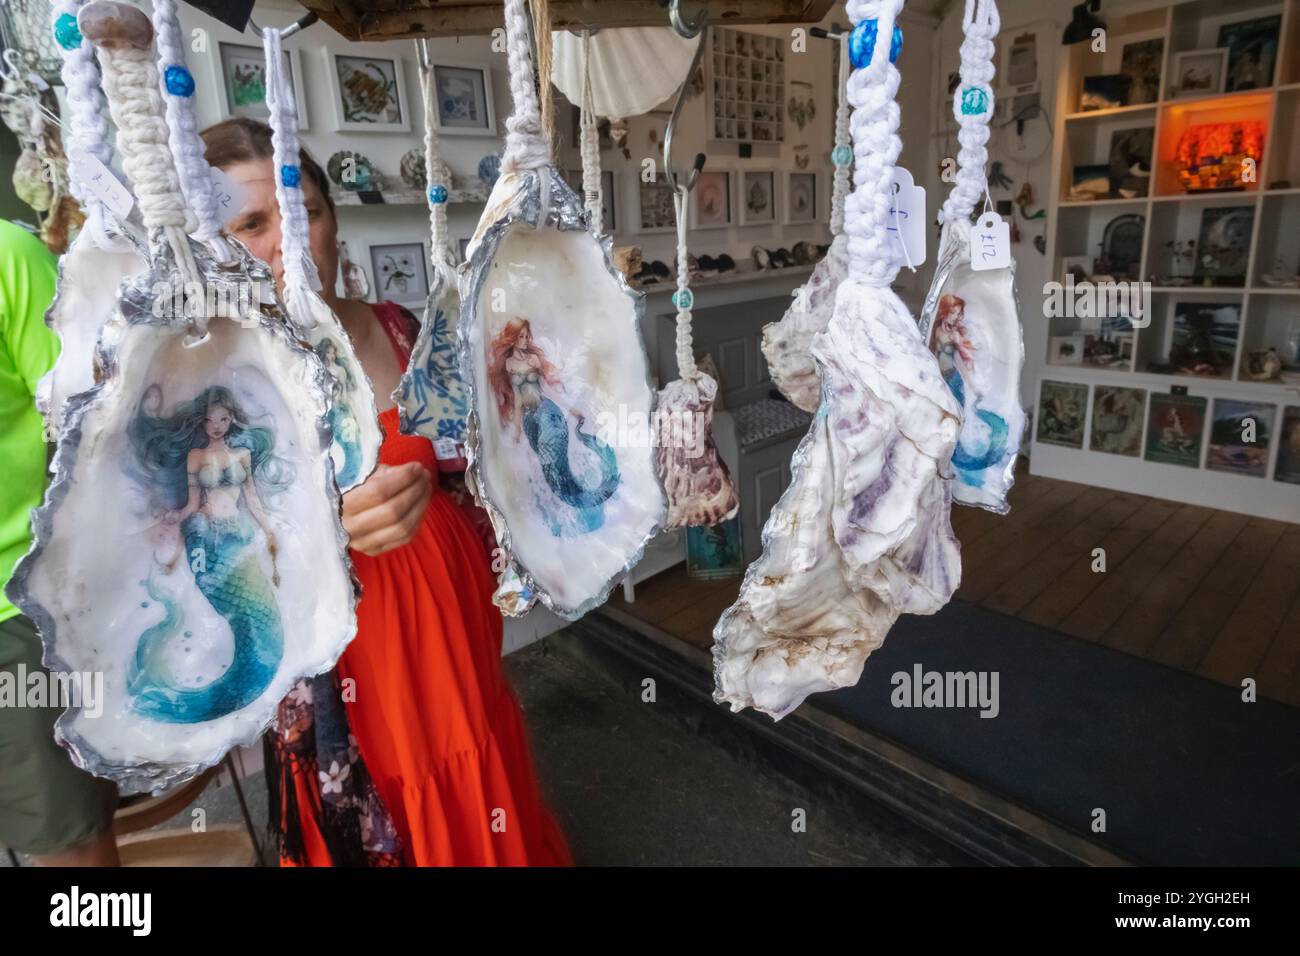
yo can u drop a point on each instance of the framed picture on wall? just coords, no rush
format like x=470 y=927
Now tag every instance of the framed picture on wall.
x=401 y=272
x=239 y=74
x=1252 y=52
x=368 y=93
x=463 y=93
x=608 y=196
x=801 y=199
x=655 y=206
x=757 y=197
x=711 y=200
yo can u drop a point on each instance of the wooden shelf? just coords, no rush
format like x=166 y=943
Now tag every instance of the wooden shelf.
x=1116 y=111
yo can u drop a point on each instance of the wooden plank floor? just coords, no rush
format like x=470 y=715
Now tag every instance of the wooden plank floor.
x=1208 y=592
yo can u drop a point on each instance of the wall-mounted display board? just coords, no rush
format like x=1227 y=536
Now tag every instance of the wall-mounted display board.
x=746 y=85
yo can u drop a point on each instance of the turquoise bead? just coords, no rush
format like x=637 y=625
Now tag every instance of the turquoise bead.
x=178 y=80
x=437 y=195
x=291 y=176
x=842 y=156
x=683 y=299
x=66 y=32
x=862 y=43
x=974 y=101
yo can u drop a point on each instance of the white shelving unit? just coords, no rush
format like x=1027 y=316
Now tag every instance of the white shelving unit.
x=1269 y=316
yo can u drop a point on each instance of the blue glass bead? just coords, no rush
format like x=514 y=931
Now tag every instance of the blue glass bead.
x=683 y=299
x=179 y=81
x=862 y=43
x=290 y=175
x=66 y=32
x=437 y=195
x=842 y=156
x=974 y=101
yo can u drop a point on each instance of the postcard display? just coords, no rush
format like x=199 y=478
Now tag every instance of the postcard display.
x=1193 y=402
x=189 y=547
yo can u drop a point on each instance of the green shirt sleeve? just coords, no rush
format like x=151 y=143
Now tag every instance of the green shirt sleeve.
x=27 y=275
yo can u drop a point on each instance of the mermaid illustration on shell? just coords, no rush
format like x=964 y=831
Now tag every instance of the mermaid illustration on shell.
x=202 y=466
x=526 y=386
x=347 y=433
x=956 y=355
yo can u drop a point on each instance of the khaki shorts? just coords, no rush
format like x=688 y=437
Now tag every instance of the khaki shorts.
x=46 y=803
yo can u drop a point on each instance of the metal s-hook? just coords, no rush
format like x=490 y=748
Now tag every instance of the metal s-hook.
x=698 y=28
x=687 y=30
x=304 y=21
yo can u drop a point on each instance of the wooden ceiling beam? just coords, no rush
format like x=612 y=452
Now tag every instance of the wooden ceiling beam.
x=407 y=20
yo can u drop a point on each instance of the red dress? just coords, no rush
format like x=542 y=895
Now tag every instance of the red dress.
x=437 y=725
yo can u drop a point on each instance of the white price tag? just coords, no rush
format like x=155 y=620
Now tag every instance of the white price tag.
x=907 y=218
x=228 y=195
x=445 y=449
x=990 y=243
x=100 y=182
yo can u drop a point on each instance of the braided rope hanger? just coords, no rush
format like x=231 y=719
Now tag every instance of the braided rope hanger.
x=973 y=108
x=437 y=174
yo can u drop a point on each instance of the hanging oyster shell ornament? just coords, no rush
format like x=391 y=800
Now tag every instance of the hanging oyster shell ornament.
x=550 y=350
x=971 y=319
x=861 y=534
x=189 y=551
x=787 y=344
x=353 y=419
x=431 y=398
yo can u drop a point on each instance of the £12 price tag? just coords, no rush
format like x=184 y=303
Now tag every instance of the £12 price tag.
x=228 y=196
x=101 y=182
x=990 y=243
x=907 y=219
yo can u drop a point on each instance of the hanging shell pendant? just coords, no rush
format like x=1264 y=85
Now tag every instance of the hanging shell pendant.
x=431 y=396
x=971 y=322
x=787 y=343
x=552 y=356
x=189 y=552
x=695 y=478
x=84 y=300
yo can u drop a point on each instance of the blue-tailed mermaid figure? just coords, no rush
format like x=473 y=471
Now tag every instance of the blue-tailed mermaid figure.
x=347 y=433
x=955 y=353
x=526 y=387
x=201 y=466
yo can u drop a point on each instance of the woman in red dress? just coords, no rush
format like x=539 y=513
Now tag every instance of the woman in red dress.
x=426 y=761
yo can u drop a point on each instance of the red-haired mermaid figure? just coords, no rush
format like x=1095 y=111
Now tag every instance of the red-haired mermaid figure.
x=518 y=371
x=956 y=355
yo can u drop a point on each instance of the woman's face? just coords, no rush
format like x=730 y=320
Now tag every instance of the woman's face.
x=257 y=224
x=217 y=422
x=524 y=340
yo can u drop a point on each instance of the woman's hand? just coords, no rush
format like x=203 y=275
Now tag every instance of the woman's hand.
x=384 y=512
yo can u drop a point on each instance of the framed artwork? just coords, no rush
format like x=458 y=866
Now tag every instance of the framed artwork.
x=1175 y=424
x=1288 y=451
x=608 y=211
x=1199 y=72
x=711 y=200
x=1121 y=246
x=1118 y=415
x=1252 y=52
x=1130 y=161
x=1066 y=350
x=1140 y=62
x=800 y=197
x=1204 y=340
x=1062 y=407
x=463 y=94
x=1106 y=91
x=1022 y=63
x=757 y=197
x=714 y=551
x=240 y=78
x=369 y=93
x=1240 y=433
x=656 y=213
x=401 y=272
x=1223 y=247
